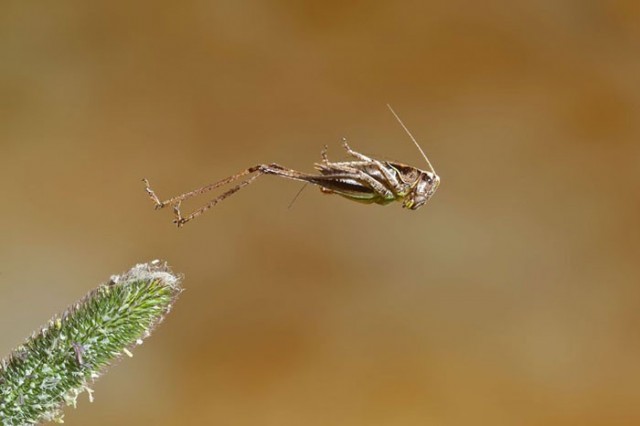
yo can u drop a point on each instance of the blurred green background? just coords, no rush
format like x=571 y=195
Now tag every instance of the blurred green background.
x=510 y=299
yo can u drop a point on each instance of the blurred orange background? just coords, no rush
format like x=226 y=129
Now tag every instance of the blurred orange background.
x=512 y=298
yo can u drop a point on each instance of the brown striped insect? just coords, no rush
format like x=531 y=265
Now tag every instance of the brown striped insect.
x=364 y=179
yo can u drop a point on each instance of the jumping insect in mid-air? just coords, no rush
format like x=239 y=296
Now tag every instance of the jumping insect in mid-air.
x=365 y=180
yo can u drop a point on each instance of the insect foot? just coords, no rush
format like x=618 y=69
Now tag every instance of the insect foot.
x=158 y=204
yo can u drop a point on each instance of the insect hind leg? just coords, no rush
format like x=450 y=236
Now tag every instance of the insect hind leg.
x=150 y=192
x=178 y=199
x=180 y=220
x=259 y=170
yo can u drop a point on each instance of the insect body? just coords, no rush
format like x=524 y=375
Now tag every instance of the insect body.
x=372 y=181
x=364 y=180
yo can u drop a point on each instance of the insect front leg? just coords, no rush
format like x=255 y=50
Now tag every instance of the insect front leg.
x=344 y=172
x=391 y=177
x=378 y=187
x=353 y=153
x=323 y=154
x=389 y=174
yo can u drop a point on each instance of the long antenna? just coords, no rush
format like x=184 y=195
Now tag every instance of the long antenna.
x=411 y=136
x=297 y=195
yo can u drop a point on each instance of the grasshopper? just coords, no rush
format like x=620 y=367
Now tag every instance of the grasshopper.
x=365 y=180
